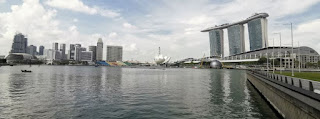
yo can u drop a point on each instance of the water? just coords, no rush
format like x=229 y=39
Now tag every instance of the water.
x=101 y=92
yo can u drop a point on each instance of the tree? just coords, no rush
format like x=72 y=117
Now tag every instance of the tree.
x=262 y=60
x=277 y=62
x=310 y=65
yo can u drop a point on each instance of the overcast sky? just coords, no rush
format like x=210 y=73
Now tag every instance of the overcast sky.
x=141 y=26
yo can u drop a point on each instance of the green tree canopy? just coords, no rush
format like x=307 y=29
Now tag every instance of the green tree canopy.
x=262 y=60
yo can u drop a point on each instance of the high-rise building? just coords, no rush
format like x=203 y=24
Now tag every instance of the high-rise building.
x=71 y=52
x=114 y=53
x=78 y=52
x=32 y=50
x=55 y=46
x=48 y=53
x=20 y=43
x=258 y=33
x=52 y=54
x=216 y=42
x=94 y=52
x=236 y=39
x=41 y=48
x=63 y=51
x=99 y=52
x=86 y=56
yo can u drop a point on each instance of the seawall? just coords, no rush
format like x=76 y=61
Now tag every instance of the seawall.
x=291 y=97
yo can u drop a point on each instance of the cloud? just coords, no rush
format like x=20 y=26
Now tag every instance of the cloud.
x=107 y=13
x=172 y=25
x=113 y=35
x=79 y=6
x=185 y=20
x=2 y=1
x=75 y=20
x=308 y=34
x=31 y=19
x=40 y=25
x=128 y=25
x=197 y=20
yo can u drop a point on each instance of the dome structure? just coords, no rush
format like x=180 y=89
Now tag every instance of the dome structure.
x=215 y=64
x=19 y=58
x=160 y=59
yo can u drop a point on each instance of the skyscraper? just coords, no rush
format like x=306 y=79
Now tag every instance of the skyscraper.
x=63 y=51
x=236 y=39
x=94 y=52
x=20 y=44
x=41 y=49
x=71 y=52
x=216 y=42
x=258 y=33
x=32 y=50
x=55 y=46
x=114 y=53
x=99 y=51
x=78 y=52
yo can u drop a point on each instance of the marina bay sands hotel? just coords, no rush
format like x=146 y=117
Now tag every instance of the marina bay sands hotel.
x=258 y=36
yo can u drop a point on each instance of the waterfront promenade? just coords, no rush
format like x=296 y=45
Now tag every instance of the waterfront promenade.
x=293 y=98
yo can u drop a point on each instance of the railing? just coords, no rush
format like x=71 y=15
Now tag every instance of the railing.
x=305 y=84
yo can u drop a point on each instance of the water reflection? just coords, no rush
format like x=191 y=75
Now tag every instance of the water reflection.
x=101 y=92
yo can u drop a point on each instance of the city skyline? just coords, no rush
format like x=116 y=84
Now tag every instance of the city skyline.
x=144 y=29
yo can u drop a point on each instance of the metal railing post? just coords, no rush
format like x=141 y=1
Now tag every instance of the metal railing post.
x=310 y=86
x=300 y=85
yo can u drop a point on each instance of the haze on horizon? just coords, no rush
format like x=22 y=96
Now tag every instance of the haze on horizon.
x=141 y=26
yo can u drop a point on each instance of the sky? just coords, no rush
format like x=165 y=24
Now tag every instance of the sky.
x=141 y=26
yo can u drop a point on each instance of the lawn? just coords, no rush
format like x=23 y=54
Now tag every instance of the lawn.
x=304 y=75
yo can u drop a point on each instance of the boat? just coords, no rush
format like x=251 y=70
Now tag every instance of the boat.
x=26 y=71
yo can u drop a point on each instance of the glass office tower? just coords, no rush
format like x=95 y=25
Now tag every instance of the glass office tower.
x=236 y=39
x=20 y=44
x=258 y=33
x=216 y=42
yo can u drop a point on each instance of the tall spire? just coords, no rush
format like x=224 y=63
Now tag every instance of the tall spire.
x=159 y=51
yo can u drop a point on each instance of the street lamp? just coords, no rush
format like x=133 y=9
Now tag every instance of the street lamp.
x=280 y=53
x=299 y=57
x=273 y=55
x=267 y=59
x=292 y=73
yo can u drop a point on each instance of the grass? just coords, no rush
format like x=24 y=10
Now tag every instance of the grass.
x=315 y=76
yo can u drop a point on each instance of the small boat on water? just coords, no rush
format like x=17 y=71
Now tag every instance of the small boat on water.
x=26 y=71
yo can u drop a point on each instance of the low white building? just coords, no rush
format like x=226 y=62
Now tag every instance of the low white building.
x=52 y=55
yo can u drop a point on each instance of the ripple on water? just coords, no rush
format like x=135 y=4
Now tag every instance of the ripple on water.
x=106 y=92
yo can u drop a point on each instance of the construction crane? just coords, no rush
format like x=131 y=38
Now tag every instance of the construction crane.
x=202 y=60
